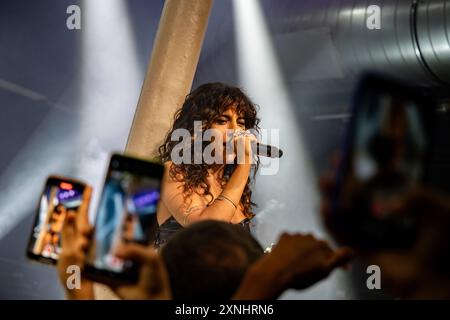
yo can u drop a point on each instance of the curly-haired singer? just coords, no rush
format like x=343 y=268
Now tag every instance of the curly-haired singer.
x=220 y=190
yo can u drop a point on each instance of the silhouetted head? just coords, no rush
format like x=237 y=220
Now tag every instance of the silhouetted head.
x=208 y=260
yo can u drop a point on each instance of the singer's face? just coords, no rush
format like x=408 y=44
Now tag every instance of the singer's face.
x=228 y=121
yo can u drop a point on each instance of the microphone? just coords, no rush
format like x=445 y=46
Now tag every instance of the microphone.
x=268 y=151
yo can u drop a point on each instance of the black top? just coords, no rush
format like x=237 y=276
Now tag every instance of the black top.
x=169 y=227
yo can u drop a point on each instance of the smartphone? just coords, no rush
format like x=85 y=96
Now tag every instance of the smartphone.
x=59 y=197
x=386 y=153
x=126 y=213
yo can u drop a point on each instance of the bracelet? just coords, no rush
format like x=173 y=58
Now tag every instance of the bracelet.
x=221 y=196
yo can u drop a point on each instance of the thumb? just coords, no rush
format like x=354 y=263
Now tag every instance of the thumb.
x=135 y=252
x=68 y=228
x=83 y=210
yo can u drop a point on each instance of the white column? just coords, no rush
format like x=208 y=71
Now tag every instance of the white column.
x=170 y=73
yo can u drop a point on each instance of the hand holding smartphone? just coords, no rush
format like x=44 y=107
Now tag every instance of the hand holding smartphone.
x=385 y=156
x=126 y=213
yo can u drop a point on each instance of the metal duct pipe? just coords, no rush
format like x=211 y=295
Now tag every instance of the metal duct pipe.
x=413 y=42
x=433 y=34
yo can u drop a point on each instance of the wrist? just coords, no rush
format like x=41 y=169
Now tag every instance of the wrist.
x=259 y=284
x=85 y=292
x=246 y=164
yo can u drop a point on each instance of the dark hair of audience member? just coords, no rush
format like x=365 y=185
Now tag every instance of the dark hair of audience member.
x=209 y=259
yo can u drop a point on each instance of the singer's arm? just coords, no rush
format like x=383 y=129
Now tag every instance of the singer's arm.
x=195 y=204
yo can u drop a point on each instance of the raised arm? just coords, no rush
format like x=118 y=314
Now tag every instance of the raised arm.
x=194 y=208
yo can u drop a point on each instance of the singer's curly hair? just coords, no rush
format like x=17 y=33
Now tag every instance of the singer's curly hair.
x=206 y=104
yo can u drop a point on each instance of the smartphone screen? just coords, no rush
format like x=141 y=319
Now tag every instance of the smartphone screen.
x=386 y=155
x=126 y=213
x=59 y=197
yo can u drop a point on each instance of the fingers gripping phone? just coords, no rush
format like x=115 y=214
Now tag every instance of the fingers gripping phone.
x=385 y=155
x=126 y=213
x=60 y=197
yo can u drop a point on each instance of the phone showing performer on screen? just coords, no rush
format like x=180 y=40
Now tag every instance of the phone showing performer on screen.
x=59 y=197
x=126 y=213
